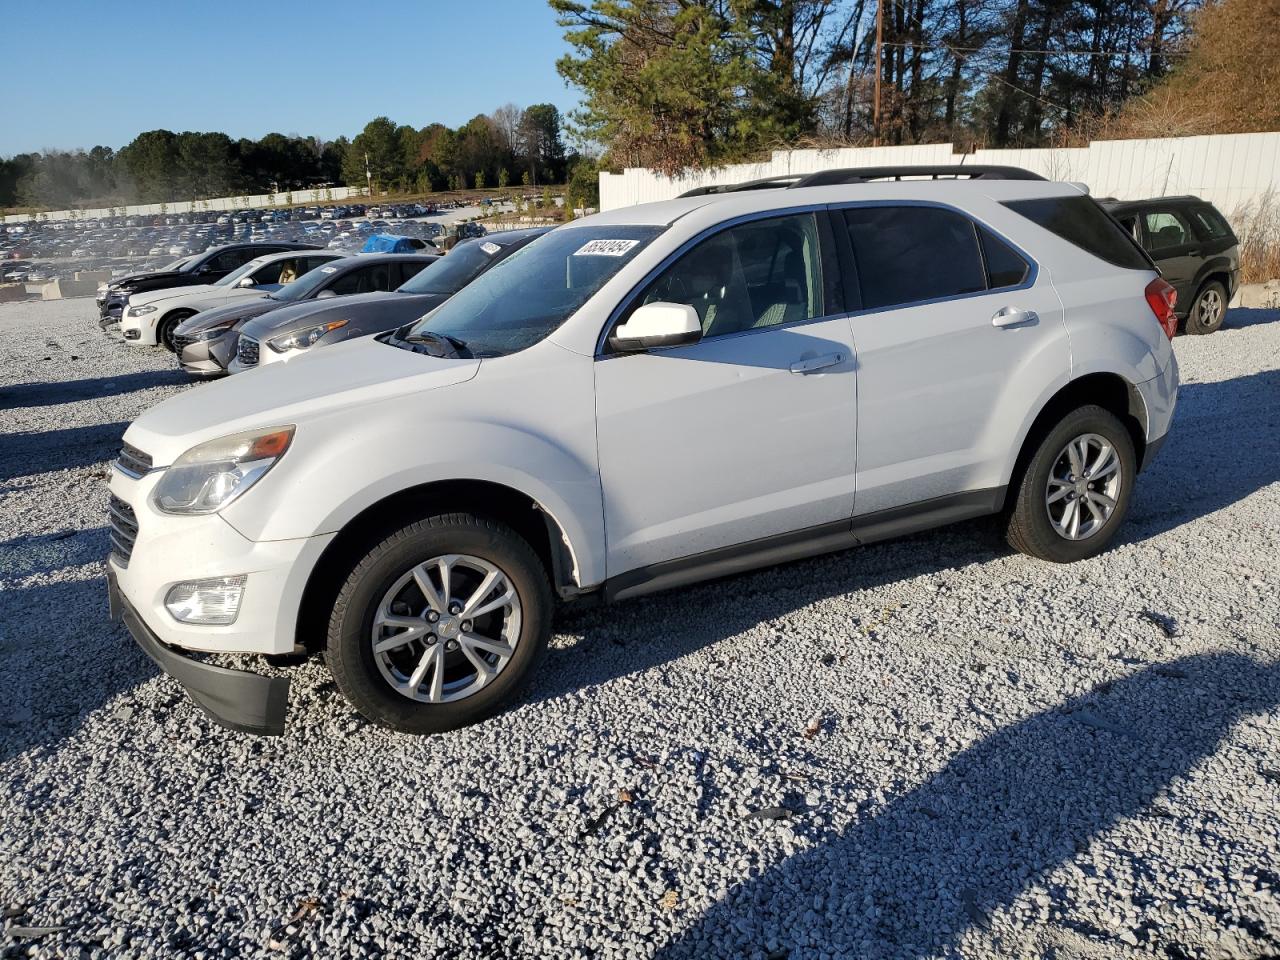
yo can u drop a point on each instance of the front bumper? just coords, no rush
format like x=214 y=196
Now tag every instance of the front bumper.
x=237 y=699
x=208 y=358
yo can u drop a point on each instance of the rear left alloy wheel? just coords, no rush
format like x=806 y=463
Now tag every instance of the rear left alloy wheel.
x=1075 y=491
x=1209 y=309
x=439 y=624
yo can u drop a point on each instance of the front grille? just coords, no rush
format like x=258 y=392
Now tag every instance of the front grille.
x=180 y=342
x=247 y=351
x=124 y=529
x=133 y=461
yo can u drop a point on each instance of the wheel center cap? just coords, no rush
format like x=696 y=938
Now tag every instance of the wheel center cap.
x=447 y=626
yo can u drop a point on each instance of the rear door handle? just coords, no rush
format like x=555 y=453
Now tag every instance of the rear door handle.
x=1012 y=317
x=816 y=363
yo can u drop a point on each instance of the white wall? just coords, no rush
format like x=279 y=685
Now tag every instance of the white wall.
x=196 y=206
x=1230 y=170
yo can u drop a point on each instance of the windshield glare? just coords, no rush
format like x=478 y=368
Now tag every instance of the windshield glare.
x=243 y=270
x=305 y=285
x=455 y=271
x=528 y=295
x=180 y=266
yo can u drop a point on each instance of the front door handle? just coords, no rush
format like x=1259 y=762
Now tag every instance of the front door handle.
x=816 y=363
x=1012 y=317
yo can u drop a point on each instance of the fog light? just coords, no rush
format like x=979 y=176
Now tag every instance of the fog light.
x=206 y=601
x=132 y=334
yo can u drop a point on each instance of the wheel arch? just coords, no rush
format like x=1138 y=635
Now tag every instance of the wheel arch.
x=1111 y=391
x=498 y=501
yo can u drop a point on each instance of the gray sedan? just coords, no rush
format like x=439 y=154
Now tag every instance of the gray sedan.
x=287 y=332
x=206 y=343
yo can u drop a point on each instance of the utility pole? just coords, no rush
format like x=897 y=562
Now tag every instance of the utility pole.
x=875 y=117
x=368 y=177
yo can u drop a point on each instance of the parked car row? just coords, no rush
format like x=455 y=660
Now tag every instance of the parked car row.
x=243 y=305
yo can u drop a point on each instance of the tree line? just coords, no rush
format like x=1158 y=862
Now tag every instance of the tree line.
x=669 y=84
x=509 y=146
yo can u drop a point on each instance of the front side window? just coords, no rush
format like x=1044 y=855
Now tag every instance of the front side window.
x=1165 y=229
x=520 y=301
x=910 y=254
x=757 y=274
x=376 y=276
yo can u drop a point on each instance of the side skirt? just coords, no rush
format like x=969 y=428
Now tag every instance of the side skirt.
x=800 y=544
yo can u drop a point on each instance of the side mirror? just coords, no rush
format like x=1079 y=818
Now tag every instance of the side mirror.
x=325 y=294
x=658 y=325
x=246 y=282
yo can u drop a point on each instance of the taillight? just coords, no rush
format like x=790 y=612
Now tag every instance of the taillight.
x=1161 y=298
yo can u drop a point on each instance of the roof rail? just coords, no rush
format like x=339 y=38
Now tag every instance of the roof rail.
x=764 y=183
x=824 y=178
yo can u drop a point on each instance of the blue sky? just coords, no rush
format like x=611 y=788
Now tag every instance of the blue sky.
x=75 y=73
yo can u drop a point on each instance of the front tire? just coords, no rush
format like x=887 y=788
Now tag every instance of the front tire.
x=164 y=335
x=1209 y=309
x=1075 y=491
x=440 y=624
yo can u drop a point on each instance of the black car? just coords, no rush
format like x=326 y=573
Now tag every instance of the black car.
x=202 y=343
x=214 y=264
x=1195 y=249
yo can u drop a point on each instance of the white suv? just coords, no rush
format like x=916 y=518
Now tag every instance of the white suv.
x=642 y=399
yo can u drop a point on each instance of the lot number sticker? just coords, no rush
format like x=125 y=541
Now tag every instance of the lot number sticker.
x=490 y=247
x=605 y=248
x=328 y=269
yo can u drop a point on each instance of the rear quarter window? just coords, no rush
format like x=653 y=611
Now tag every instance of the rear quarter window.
x=1210 y=222
x=1081 y=222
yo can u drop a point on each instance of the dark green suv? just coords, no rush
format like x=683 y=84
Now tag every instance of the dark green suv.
x=1195 y=249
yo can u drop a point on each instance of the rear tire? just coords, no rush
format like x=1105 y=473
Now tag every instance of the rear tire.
x=1074 y=495
x=459 y=667
x=1208 y=310
x=168 y=325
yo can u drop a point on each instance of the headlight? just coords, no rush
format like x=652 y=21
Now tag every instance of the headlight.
x=213 y=333
x=210 y=475
x=301 y=339
x=142 y=311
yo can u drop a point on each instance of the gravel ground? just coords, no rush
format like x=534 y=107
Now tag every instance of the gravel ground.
x=924 y=748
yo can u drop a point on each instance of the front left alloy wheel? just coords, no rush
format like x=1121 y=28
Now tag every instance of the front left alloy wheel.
x=439 y=624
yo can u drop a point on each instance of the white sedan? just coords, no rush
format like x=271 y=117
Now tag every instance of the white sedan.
x=150 y=318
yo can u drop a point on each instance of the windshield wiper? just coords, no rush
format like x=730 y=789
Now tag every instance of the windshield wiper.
x=456 y=348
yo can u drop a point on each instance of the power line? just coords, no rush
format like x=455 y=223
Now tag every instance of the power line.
x=944 y=45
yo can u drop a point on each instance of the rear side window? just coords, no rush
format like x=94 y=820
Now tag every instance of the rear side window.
x=1005 y=266
x=910 y=254
x=1210 y=222
x=1165 y=229
x=1080 y=221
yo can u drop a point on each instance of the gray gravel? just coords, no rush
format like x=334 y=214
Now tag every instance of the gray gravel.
x=926 y=748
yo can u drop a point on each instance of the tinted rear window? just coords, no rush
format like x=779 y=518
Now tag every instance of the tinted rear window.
x=1210 y=222
x=1080 y=221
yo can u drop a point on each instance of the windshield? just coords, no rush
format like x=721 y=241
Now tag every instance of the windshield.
x=529 y=294
x=306 y=285
x=180 y=266
x=462 y=264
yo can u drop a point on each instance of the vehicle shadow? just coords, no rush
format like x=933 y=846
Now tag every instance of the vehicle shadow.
x=638 y=634
x=41 y=394
x=27 y=454
x=50 y=553
x=910 y=878
x=1249 y=317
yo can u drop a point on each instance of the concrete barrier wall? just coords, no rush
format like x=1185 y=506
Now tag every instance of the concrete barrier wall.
x=1230 y=170
x=290 y=198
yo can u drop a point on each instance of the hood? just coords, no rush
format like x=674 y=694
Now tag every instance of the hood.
x=137 y=278
x=212 y=317
x=165 y=293
x=289 y=314
x=343 y=377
